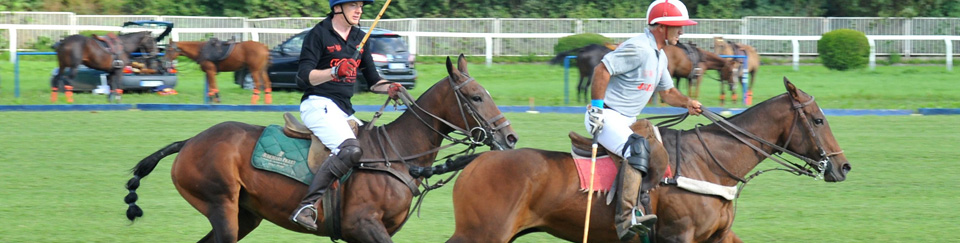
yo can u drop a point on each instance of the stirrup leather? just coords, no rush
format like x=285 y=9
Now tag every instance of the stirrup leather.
x=300 y=210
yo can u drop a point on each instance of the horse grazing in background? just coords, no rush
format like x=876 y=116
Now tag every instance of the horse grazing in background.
x=213 y=170
x=588 y=57
x=214 y=56
x=722 y=47
x=681 y=66
x=109 y=54
x=502 y=195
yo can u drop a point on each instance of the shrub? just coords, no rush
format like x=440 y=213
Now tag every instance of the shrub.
x=843 y=49
x=579 y=40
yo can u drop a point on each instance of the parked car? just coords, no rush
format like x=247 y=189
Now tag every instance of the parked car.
x=390 y=54
x=89 y=79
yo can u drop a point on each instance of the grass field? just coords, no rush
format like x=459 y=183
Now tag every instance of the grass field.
x=889 y=87
x=63 y=175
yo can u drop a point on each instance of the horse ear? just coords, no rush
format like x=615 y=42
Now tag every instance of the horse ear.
x=451 y=71
x=462 y=64
x=791 y=88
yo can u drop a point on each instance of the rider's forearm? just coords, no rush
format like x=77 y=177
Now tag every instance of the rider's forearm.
x=673 y=97
x=318 y=76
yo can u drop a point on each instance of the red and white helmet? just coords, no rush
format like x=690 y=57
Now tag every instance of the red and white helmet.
x=668 y=12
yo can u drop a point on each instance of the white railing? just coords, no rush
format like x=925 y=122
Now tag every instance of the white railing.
x=489 y=38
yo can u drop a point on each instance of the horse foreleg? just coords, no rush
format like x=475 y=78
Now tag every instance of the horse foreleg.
x=213 y=93
x=731 y=237
x=247 y=221
x=749 y=96
x=55 y=84
x=366 y=229
x=723 y=93
x=116 y=91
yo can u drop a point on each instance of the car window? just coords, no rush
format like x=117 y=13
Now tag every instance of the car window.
x=294 y=45
x=388 y=45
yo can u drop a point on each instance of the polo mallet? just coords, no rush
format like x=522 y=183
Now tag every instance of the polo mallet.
x=374 y=25
x=593 y=167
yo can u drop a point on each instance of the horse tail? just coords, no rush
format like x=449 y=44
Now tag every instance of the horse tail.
x=143 y=169
x=454 y=164
x=557 y=60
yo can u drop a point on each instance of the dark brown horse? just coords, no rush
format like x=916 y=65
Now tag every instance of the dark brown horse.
x=111 y=58
x=588 y=57
x=213 y=171
x=680 y=67
x=722 y=47
x=252 y=55
x=502 y=195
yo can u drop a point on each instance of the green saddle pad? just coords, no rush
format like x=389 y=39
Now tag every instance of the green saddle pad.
x=281 y=154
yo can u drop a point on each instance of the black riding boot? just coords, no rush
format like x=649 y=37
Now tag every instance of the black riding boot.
x=332 y=168
x=630 y=220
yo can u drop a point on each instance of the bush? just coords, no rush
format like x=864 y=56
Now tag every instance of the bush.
x=579 y=40
x=843 y=49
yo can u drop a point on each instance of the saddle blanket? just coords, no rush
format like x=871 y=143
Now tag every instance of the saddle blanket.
x=281 y=154
x=605 y=173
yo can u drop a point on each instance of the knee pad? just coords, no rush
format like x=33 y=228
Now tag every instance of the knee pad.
x=350 y=151
x=638 y=152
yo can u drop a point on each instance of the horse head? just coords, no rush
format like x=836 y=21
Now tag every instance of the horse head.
x=143 y=40
x=721 y=47
x=475 y=112
x=811 y=137
x=171 y=53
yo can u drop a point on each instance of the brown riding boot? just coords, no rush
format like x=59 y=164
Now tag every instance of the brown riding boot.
x=630 y=220
x=333 y=168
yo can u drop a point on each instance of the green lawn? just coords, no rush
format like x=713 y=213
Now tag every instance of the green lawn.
x=63 y=176
x=889 y=87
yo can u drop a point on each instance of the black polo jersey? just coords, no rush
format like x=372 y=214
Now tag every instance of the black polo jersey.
x=322 y=49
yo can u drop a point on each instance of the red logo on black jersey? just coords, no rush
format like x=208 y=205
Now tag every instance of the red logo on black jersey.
x=333 y=48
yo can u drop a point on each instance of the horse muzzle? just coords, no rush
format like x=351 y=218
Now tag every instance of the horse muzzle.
x=835 y=172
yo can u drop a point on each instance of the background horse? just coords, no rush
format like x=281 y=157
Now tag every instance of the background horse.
x=722 y=47
x=680 y=67
x=588 y=57
x=502 y=195
x=252 y=55
x=78 y=49
x=213 y=170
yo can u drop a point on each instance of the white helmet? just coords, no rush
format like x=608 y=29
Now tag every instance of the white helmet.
x=670 y=13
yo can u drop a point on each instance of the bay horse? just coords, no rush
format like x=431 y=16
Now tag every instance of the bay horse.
x=213 y=169
x=502 y=195
x=252 y=55
x=588 y=57
x=722 y=47
x=79 y=49
x=680 y=67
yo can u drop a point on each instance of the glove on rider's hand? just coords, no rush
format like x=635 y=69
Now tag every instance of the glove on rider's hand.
x=344 y=68
x=596 y=119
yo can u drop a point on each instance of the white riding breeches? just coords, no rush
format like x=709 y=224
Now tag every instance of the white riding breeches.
x=615 y=131
x=325 y=119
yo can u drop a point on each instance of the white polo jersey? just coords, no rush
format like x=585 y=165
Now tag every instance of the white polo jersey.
x=637 y=70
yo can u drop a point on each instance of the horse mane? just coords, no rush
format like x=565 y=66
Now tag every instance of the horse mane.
x=750 y=114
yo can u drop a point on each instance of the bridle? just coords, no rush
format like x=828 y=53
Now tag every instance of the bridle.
x=474 y=137
x=821 y=166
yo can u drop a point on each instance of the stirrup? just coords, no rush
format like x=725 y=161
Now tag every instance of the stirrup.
x=300 y=210
x=642 y=227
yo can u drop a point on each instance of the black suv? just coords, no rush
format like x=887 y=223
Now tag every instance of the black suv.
x=393 y=61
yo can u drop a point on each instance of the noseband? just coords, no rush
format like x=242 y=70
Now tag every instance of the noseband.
x=482 y=134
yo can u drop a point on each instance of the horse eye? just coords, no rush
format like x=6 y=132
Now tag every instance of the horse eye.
x=476 y=98
x=818 y=121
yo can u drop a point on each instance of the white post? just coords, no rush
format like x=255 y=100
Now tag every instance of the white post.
x=73 y=22
x=949 y=48
x=413 y=38
x=13 y=44
x=907 y=43
x=174 y=35
x=873 y=54
x=496 y=29
x=489 y=50
x=796 y=54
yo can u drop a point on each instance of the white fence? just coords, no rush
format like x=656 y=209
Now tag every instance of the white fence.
x=793 y=36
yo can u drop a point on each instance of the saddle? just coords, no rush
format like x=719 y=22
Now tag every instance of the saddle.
x=216 y=50
x=318 y=152
x=112 y=44
x=694 y=55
